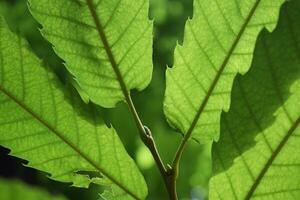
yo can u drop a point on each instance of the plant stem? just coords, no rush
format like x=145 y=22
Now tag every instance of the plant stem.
x=148 y=140
x=178 y=155
x=146 y=136
x=171 y=183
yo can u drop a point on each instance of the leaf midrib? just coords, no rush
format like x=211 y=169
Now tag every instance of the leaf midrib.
x=272 y=158
x=224 y=64
x=107 y=47
x=65 y=140
x=115 y=66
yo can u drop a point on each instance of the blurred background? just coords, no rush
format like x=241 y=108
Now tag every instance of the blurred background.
x=169 y=19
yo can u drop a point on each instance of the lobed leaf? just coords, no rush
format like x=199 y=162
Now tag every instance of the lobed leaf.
x=258 y=154
x=218 y=44
x=42 y=122
x=106 y=44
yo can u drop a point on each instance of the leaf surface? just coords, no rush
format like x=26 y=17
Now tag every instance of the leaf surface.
x=106 y=44
x=258 y=154
x=16 y=190
x=218 y=44
x=42 y=122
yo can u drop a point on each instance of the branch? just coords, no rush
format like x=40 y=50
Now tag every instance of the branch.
x=146 y=136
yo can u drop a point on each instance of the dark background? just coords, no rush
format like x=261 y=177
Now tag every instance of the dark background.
x=169 y=18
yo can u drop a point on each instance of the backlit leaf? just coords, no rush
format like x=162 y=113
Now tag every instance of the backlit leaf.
x=218 y=44
x=106 y=44
x=44 y=123
x=258 y=154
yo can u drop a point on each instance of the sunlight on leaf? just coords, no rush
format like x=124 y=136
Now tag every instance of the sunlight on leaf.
x=42 y=122
x=258 y=153
x=107 y=46
x=218 y=44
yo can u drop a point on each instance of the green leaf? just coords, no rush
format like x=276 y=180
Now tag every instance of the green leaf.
x=106 y=44
x=17 y=190
x=258 y=154
x=42 y=122
x=218 y=44
x=114 y=193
